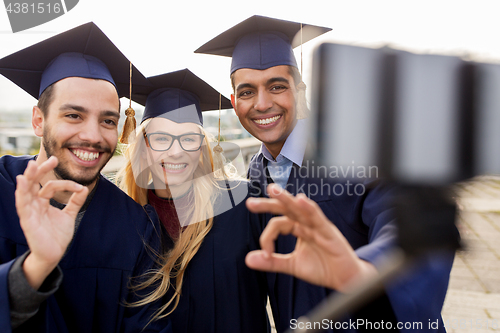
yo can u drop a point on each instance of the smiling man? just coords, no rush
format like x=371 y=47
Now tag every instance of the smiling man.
x=79 y=127
x=264 y=101
x=69 y=250
x=268 y=98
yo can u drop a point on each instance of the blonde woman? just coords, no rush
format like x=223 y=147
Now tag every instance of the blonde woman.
x=202 y=277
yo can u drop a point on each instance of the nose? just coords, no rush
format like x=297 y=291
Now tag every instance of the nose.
x=263 y=101
x=91 y=132
x=176 y=149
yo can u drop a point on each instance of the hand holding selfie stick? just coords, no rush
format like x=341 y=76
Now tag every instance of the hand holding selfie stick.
x=425 y=218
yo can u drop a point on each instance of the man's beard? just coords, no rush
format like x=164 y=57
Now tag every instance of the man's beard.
x=62 y=171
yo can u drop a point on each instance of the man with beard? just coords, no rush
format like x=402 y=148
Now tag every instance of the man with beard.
x=269 y=100
x=67 y=256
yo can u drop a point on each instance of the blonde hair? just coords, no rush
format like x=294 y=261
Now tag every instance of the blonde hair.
x=173 y=263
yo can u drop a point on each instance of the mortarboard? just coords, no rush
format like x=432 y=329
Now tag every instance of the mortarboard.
x=261 y=42
x=84 y=51
x=180 y=96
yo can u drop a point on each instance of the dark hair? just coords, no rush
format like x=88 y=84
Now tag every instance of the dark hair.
x=292 y=70
x=45 y=99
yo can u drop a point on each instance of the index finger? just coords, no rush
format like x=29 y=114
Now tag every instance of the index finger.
x=299 y=208
x=277 y=204
x=265 y=205
x=34 y=173
x=54 y=186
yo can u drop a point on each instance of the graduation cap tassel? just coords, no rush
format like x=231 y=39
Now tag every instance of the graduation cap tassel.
x=302 y=109
x=130 y=123
x=218 y=158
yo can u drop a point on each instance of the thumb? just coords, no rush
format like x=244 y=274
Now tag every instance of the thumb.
x=262 y=261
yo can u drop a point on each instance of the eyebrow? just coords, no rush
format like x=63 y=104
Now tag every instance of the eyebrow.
x=78 y=108
x=270 y=81
x=163 y=132
x=106 y=113
x=277 y=79
x=244 y=86
x=109 y=113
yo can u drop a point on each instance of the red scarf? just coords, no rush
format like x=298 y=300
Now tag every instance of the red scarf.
x=168 y=214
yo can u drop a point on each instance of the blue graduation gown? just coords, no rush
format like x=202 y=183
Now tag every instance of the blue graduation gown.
x=219 y=292
x=366 y=222
x=106 y=251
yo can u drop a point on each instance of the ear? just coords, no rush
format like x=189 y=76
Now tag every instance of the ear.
x=144 y=155
x=146 y=142
x=232 y=102
x=37 y=120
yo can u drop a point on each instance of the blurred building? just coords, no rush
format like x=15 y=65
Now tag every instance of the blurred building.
x=18 y=141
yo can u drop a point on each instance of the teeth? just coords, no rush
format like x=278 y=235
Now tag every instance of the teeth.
x=173 y=166
x=267 y=120
x=85 y=155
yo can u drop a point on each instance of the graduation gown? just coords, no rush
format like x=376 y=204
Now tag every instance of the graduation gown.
x=219 y=292
x=106 y=251
x=366 y=222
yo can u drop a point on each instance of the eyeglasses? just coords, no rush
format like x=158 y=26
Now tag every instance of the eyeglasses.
x=160 y=141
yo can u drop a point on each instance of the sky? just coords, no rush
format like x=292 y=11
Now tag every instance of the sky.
x=159 y=36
